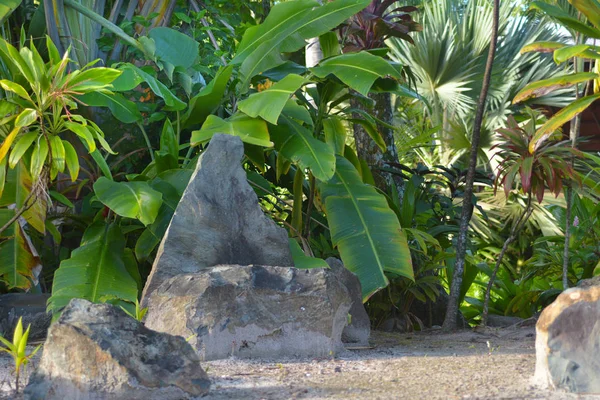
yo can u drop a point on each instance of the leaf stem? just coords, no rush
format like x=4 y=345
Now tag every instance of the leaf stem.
x=147 y=139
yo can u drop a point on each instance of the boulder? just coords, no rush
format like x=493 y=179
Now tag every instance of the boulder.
x=96 y=351
x=253 y=311
x=30 y=307
x=568 y=342
x=218 y=220
x=359 y=328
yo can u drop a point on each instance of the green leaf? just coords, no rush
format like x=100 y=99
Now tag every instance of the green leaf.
x=579 y=50
x=16 y=89
x=545 y=86
x=72 y=160
x=285 y=29
x=174 y=47
x=172 y=102
x=20 y=147
x=559 y=119
x=302 y=261
x=8 y=141
x=6 y=8
x=250 y=130
x=17 y=260
x=297 y=144
x=335 y=134
x=58 y=153
x=38 y=157
x=92 y=79
x=542 y=47
x=84 y=133
x=589 y=8
x=168 y=140
x=26 y=117
x=357 y=70
x=61 y=198
x=95 y=270
x=17 y=188
x=209 y=98
x=566 y=19
x=269 y=103
x=330 y=44
x=122 y=109
x=365 y=230
x=129 y=199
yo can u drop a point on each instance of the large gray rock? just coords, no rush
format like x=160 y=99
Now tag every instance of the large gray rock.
x=96 y=351
x=568 y=342
x=253 y=311
x=218 y=220
x=359 y=329
x=31 y=308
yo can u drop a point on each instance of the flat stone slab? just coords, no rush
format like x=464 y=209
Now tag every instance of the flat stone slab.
x=218 y=220
x=96 y=351
x=253 y=311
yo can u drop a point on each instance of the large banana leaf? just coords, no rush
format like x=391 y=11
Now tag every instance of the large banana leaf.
x=7 y=7
x=566 y=19
x=297 y=144
x=250 y=130
x=129 y=199
x=357 y=70
x=18 y=259
x=365 y=230
x=285 y=29
x=17 y=188
x=96 y=271
x=269 y=103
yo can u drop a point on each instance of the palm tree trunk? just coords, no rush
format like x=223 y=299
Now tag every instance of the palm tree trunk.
x=467 y=208
x=368 y=150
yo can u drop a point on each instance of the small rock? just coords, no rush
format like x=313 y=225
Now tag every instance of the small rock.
x=96 y=351
x=567 y=342
x=337 y=369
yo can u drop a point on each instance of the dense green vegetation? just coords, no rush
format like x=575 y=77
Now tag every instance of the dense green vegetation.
x=105 y=107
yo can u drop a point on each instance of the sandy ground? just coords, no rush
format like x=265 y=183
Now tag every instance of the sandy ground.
x=495 y=364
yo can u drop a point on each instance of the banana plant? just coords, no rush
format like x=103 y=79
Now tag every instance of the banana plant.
x=299 y=117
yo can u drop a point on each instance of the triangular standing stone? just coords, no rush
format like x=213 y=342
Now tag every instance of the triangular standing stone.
x=218 y=220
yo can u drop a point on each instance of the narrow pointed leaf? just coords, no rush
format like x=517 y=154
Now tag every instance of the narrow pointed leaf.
x=545 y=86
x=559 y=119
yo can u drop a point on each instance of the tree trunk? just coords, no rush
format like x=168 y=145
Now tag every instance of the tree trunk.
x=368 y=150
x=467 y=208
x=519 y=224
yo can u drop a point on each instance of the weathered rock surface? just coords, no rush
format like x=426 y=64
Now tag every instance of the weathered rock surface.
x=96 y=351
x=359 y=329
x=218 y=220
x=253 y=311
x=30 y=307
x=568 y=342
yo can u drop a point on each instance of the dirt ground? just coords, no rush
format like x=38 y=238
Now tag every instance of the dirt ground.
x=495 y=364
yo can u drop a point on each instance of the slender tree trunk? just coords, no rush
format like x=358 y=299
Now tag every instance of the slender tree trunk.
x=368 y=150
x=467 y=209
x=517 y=227
x=574 y=135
